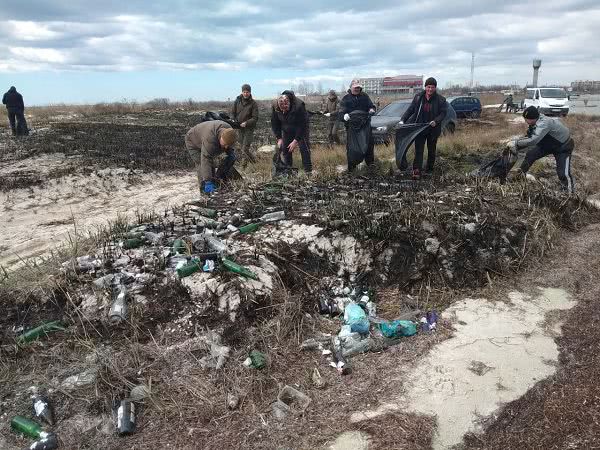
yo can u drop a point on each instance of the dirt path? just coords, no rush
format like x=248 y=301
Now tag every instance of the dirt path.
x=35 y=220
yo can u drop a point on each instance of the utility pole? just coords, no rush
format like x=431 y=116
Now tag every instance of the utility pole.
x=472 y=68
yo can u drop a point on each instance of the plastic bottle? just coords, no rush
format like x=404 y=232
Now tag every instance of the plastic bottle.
x=126 y=417
x=195 y=265
x=240 y=270
x=215 y=244
x=118 y=309
x=250 y=228
x=273 y=217
x=42 y=408
x=43 y=329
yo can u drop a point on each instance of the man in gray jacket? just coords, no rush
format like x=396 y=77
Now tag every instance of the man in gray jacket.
x=547 y=136
x=204 y=143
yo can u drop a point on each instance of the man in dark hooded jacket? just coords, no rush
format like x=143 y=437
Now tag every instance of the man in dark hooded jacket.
x=245 y=112
x=16 y=112
x=427 y=107
x=357 y=100
x=289 y=122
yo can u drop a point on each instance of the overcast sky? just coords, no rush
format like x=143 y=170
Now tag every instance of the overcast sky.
x=69 y=51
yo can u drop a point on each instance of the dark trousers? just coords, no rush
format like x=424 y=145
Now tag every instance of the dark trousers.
x=18 y=125
x=286 y=157
x=332 y=131
x=562 y=156
x=431 y=139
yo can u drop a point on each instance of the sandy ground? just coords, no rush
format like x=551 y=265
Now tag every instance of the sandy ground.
x=35 y=220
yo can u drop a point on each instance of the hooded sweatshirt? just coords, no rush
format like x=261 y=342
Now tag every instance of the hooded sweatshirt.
x=13 y=100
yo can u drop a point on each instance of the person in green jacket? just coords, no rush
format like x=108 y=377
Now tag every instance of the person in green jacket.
x=245 y=112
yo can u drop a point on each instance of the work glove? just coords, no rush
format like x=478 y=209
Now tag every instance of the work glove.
x=401 y=122
x=346 y=117
x=371 y=111
x=327 y=114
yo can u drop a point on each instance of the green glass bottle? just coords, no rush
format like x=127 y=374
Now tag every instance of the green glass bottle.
x=132 y=243
x=240 y=270
x=179 y=246
x=26 y=426
x=250 y=228
x=195 y=265
x=43 y=329
x=206 y=212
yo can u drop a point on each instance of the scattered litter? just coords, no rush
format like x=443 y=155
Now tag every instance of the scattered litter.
x=82 y=379
x=256 y=360
x=139 y=393
x=125 y=417
x=233 y=401
x=355 y=316
x=290 y=401
x=318 y=381
x=41 y=407
x=39 y=331
x=218 y=352
x=397 y=328
x=46 y=440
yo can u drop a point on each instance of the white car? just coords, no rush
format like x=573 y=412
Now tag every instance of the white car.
x=548 y=100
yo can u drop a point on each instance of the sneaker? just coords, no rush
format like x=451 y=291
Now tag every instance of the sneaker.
x=416 y=174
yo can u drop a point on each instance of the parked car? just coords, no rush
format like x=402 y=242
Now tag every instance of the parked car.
x=549 y=101
x=384 y=122
x=466 y=106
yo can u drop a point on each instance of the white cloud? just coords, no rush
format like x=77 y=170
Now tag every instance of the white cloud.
x=30 y=31
x=42 y=55
x=332 y=39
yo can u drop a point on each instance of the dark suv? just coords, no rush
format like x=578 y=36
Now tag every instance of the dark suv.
x=384 y=122
x=466 y=106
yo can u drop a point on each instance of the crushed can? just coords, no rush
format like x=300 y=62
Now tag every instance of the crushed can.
x=42 y=408
x=125 y=417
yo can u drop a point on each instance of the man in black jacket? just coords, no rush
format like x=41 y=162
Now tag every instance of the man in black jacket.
x=16 y=112
x=357 y=100
x=289 y=122
x=427 y=107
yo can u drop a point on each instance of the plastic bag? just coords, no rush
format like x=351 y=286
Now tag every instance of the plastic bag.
x=355 y=316
x=397 y=328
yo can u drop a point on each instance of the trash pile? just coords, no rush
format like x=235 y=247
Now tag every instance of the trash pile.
x=361 y=330
x=333 y=246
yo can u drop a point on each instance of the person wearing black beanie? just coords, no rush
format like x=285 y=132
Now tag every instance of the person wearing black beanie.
x=547 y=136
x=427 y=107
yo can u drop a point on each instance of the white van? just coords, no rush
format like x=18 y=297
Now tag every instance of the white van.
x=548 y=100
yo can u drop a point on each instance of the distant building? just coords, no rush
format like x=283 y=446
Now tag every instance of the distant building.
x=585 y=86
x=400 y=84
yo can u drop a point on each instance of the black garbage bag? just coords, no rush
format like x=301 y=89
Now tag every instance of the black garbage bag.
x=405 y=136
x=282 y=164
x=358 y=136
x=219 y=115
x=498 y=167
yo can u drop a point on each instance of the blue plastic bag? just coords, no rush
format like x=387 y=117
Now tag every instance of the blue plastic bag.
x=355 y=316
x=398 y=328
